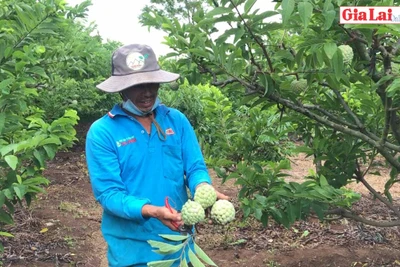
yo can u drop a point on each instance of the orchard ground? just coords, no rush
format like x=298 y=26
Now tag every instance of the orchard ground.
x=62 y=228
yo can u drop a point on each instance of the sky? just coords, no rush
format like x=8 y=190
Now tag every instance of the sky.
x=118 y=20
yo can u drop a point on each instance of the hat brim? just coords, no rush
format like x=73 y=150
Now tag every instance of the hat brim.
x=116 y=84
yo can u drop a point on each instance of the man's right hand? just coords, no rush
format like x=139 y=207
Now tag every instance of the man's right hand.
x=164 y=215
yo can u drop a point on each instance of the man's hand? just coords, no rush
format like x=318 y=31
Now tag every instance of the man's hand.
x=163 y=214
x=221 y=195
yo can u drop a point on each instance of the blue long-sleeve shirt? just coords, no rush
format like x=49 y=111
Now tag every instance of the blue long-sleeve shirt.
x=129 y=168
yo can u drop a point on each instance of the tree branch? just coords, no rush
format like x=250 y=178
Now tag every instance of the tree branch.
x=330 y=115
x=382 y=150
x=374 y=192
x=255 y=38
x=370 y=164
x=345 y=106
x=347 y=214
x=223 y=83
x=387 y=106
x=354 y=36
x=360 y=125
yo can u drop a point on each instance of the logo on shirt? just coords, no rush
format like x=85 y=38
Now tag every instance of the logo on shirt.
x=126 y=141
x=169 y=131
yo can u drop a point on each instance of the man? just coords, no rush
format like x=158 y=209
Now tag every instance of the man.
x=138 y=154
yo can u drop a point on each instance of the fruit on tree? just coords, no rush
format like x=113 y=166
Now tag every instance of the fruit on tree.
x=174 y=86
x=347 y=53
x=205 y=195
x=298 y=85
x=192 y=212
x=223 y=211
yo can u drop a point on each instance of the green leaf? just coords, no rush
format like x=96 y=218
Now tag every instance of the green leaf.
x=258 y=214
x=329 y=18
x=248 y=5
x=239 y=33
x=202 y=255
x=6 y=234
x=291 y=213
x=5 y=83
x=164 y=263
x=184 y=263
x=264 y=15
x=20 y=191
x=219 y=11
x=199 y=52
x=5 y=217
x=39 y=157
x=50 y=151
x=50 y=140
x=384 y=79
x=337 y=64
x=305 y=11
x=175 y=237
x=330 y=49
x=319 y=210
x=8 y=148
x=287 y=10
x=322 y=181
x=2 y=198
x=36 y=181
x=2 y=121
x=165 y=248
x=12 y=161
x=393 y=88
x=194 y=260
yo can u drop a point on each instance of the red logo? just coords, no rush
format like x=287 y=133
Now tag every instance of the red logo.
x=369 y=14
x=169 y=131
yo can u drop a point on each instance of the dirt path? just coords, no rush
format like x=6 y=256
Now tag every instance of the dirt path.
x=62 y=229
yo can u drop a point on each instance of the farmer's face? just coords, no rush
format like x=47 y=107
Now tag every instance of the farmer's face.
x=143 y=95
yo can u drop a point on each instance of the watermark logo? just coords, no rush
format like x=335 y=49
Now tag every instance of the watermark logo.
x=370 y=15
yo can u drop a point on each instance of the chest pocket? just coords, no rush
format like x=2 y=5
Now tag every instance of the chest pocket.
x=172 y=162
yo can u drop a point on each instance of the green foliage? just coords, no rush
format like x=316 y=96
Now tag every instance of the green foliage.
x=45 y=58
x=189 y=251
x=228 y=136
x=346 y=112
x=264 y=193
x=82 y=96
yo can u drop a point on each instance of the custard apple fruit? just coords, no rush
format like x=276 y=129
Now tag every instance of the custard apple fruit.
x=192 y=212
x=205 y=195
x=347 y=53
x=298 y=85
x=174 y=86
x=223 y=211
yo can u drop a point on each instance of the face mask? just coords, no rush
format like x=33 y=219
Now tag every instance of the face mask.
x=129 y=106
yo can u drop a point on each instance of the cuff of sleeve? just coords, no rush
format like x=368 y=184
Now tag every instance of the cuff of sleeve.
x=135 y=209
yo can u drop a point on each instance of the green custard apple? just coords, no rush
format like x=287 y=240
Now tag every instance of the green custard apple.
x=223 y=211
x=347 y=53
x=192 y=212
x=174 y=86
x=298 y=85
x=205 y=195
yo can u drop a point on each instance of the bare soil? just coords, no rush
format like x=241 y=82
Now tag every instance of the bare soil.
x=62 y=228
